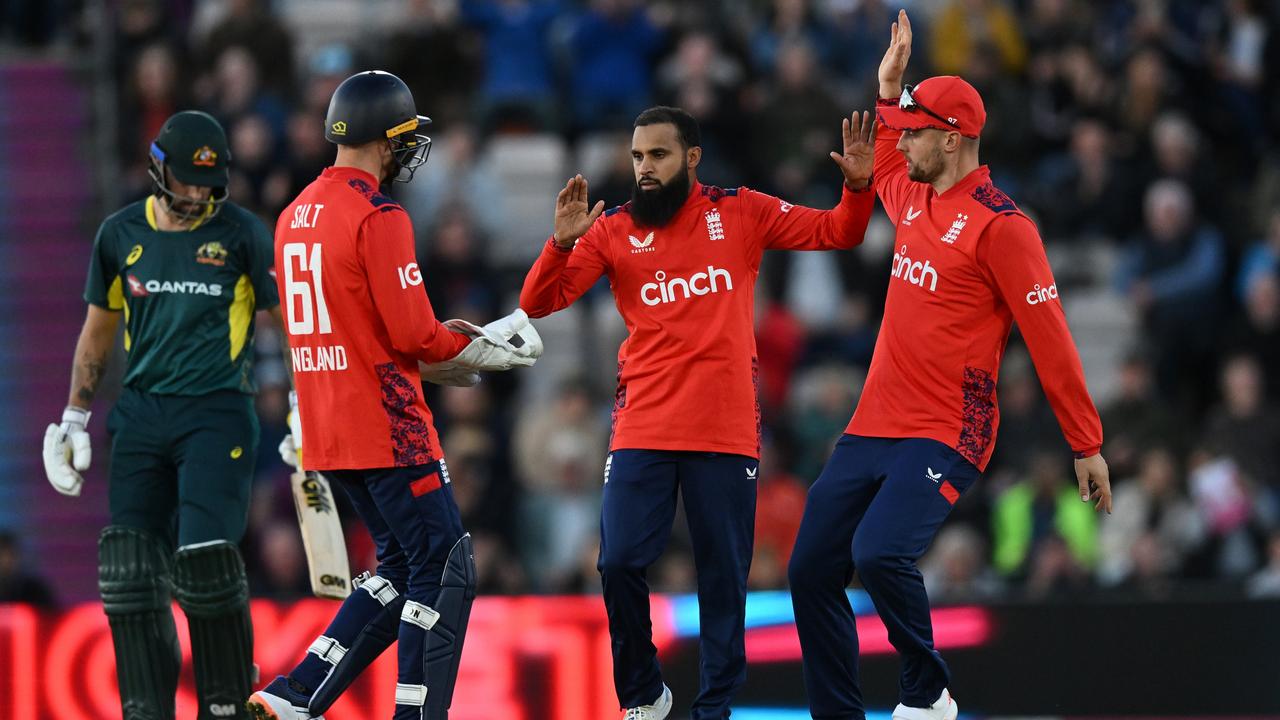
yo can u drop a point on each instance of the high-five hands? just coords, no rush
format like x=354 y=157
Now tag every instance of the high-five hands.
x=894 y=64
x=858 y=158
x=573 y=215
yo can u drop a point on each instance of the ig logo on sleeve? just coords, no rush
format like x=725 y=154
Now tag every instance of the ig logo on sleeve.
x=409 y=275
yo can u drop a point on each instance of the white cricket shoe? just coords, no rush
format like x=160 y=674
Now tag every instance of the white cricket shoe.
x=657 y=711
x=944 y=709
x=263 y=705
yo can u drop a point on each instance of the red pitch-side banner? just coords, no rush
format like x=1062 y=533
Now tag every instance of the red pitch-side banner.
x=525 y=657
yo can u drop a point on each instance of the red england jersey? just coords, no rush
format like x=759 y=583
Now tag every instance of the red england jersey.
x=966 y=264
x=358 y=322
x=687 y=372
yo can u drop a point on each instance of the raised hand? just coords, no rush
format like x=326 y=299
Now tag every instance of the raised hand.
x=894 y=64
x=858 y=158
x=573 y=219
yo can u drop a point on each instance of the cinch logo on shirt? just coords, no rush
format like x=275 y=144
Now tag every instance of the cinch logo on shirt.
x=138 y=288
x=914 y=272
x=664 y=291
x=1042 y=294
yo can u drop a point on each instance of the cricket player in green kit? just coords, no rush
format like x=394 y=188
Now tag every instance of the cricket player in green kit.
x=188 y=270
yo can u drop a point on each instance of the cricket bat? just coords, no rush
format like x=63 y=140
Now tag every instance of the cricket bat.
x=321 y=535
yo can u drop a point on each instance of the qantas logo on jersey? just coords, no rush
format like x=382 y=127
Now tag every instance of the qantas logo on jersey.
x=139 y=288
x=641 y=246
x=914 y=271
x=136 y=287
x=1042 y=294
x=668 y=291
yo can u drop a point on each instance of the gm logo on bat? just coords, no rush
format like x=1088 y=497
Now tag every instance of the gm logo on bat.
x=317 y=498
x=332 y=581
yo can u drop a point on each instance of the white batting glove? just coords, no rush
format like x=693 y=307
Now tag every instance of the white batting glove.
x=68 y=451
x=291 y=446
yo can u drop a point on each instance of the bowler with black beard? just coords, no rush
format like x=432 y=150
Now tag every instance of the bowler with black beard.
x=682 y=260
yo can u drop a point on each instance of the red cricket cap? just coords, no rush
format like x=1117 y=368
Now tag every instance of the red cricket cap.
x=945 y=102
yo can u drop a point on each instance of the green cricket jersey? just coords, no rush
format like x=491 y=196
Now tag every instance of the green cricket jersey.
x=188 y=297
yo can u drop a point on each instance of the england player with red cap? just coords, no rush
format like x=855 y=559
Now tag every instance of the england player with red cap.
x=966 y=265
x=682 y=260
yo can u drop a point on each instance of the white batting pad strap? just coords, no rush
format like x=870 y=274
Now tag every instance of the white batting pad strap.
x=327 y=649
x=419 y=614
x=380 y=588
x=415 y=695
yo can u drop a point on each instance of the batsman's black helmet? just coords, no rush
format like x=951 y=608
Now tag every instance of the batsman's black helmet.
x=376 y=105
x=192 y=146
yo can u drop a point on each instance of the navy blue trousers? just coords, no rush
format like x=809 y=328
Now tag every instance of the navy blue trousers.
x=875 y=509
x=413 y=519
x=414 y=522
x=637 y=512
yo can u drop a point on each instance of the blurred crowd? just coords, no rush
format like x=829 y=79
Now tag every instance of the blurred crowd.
x=1143 y=136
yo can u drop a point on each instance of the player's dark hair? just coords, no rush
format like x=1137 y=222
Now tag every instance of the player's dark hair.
x=686 y=126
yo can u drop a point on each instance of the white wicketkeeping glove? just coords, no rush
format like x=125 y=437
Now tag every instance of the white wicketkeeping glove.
x=455 y=376
x=291 y=445
x=67 y=451
x=519 y=332
x=503 y=344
